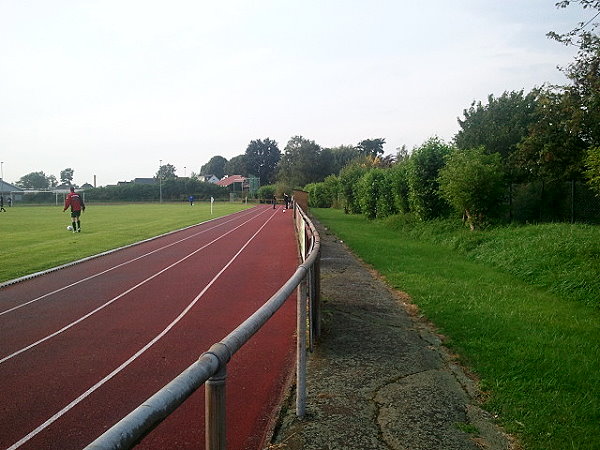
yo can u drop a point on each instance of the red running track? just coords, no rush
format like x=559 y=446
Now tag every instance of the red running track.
x=83 y=346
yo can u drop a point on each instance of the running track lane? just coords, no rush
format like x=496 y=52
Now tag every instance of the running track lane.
x=63 y=334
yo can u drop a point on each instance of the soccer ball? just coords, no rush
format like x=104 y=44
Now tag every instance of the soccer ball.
x=70 y=228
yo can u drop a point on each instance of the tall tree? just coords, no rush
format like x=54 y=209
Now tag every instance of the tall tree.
x=237 y=166
x=36 y=180
x=301 y=163
x=554 y=148
x=262 y=157
x=371 y=147
x=166 y=172
x=342 y=156
x=215 y=166
x=500 y=124
x=66 y=176
x=584 y=71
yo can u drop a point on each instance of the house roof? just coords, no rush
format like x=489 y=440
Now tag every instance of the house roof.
x=228 y=181
x=7 y=187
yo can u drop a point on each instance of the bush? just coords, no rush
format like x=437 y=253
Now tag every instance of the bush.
x=423 y=171
x=473 y=183
x=318 y=195
x=398 y=175
x=375 y=194
x=349 y=177
x=265 y=193
x=592 y=172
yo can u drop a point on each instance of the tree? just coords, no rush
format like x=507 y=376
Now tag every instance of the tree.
x=301 y=163
x=584 y=71
x=342 y=156
x=262 y=157
x=554 y=149
x=166 y=172
x=215 y=166
x=236 y=166
x=36 y=180
x=371 y=147
x=66 y=176
x=499 y=126
x=472 y=181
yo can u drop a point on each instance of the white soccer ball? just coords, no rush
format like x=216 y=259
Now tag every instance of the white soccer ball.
x=70 y=228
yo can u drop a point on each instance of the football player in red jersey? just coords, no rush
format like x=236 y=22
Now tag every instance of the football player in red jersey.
x=75 y=201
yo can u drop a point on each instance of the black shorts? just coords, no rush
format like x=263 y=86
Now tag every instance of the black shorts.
x=75 y=213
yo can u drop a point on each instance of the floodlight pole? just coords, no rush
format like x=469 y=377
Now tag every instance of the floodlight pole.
x=160 y=180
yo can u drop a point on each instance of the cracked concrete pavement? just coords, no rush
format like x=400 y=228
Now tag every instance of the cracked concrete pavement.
x=380 y=377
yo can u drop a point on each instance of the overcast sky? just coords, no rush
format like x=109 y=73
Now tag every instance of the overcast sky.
x=111 y=87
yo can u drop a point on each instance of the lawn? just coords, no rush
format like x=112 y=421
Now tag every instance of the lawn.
x=518 y=304
x=34 y=238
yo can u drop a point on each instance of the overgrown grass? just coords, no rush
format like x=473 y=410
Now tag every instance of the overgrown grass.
x=514 y=304
x=34 y=238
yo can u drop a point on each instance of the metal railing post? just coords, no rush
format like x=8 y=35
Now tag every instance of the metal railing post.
x=301 y=351
x=214 y=395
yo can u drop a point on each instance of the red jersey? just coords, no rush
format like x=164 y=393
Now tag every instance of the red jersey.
x=74 y=201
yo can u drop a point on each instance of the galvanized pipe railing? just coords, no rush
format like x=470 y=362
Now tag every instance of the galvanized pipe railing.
x=211 y=367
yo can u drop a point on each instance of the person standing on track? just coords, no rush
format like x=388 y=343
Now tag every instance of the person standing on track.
x=75 y=201
x=286 y=199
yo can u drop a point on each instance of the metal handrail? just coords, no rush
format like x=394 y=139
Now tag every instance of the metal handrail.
x=210 y=368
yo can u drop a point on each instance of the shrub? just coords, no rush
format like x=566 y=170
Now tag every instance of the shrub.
x=423 y=170
x=473 y=183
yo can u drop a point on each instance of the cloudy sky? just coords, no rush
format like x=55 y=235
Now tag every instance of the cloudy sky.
x=112 y=87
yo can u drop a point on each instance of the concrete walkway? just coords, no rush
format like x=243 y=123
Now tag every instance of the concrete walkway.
x=380 y=377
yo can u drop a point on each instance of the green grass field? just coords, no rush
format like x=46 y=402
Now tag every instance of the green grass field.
x=518 y=304
x=34 y=238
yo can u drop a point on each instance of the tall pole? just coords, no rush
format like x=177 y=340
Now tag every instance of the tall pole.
x=160 y=180
x=2 y=178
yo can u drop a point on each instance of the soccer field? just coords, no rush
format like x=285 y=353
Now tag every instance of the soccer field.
x=34 y=238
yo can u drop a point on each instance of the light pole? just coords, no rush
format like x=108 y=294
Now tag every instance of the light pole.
x=184 y=171
x=160 y=180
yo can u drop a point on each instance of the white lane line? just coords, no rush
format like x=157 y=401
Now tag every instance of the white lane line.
x=87 y=393
x=114 y=299
x=116 y=267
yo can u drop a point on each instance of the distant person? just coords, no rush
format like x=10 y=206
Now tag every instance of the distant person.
x=9 y=202
x=274 y=200
x=2 y=204
x=191 y=199
x=286 y=200
x=75 y=201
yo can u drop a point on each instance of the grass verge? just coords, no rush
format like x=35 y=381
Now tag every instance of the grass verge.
x=534 y=347
x=35 y=238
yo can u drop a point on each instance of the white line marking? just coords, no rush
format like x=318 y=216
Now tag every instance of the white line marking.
x=115 y=267
x=114 y=299
x=87 y=393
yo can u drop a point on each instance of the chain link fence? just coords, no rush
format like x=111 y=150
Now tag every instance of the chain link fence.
x=569 y=201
